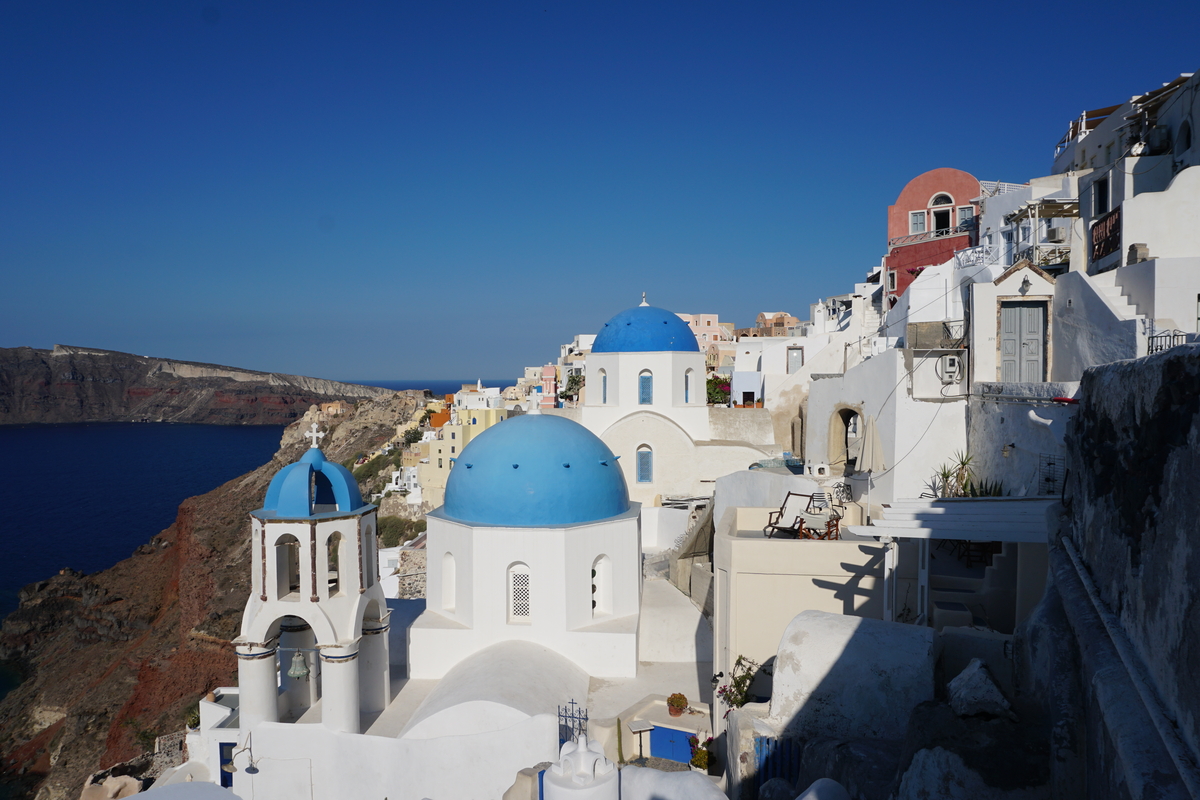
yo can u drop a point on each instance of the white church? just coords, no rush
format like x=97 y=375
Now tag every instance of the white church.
x=646 y=399
x=535 y=603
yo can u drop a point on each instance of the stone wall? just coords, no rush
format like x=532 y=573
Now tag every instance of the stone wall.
x=411 y=566
x=1133 y=510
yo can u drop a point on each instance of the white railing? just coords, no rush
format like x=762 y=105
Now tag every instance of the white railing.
x=993 y=188
x=923 y=236
x=985 y=255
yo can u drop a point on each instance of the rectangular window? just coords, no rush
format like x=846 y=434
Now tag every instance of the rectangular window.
x=452 y=434
x=645 y=390
x=604 y=389
x=916 y=222
x=645 y=466
x=1100 y=197
x=965 y=215
x=451 y=449
x=439 y=463
x=519 y=597
x=891 y=284
x=795 y=359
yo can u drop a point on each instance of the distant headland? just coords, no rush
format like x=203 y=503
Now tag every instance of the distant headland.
x=84 y=384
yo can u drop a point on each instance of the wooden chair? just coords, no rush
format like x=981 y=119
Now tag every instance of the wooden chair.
x=822 y=517
x=787 y=519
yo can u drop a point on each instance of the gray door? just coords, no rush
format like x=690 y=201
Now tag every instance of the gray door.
x=1022 y=342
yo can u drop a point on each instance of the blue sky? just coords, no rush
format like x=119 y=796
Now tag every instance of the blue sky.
x=450 y=190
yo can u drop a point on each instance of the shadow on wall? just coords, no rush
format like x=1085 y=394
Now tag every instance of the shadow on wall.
x=862 y=701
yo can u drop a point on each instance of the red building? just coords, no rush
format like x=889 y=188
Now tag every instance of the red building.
x=933 y=216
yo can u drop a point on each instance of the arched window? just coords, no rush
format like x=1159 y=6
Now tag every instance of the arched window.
x=333 y=552
x=687 y=386
x=941 y=200
x=449 y=585
x=603 y=387
x=602 y=586
x=645 y=388
x=645 y=464
x=519 y=597
x=287 y=567
x=371 y=547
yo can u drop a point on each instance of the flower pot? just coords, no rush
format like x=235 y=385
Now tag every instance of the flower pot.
x=674 y=712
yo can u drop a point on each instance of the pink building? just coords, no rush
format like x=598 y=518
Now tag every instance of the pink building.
x=933 y=216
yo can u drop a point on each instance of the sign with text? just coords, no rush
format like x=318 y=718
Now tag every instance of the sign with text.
x=1106 y=234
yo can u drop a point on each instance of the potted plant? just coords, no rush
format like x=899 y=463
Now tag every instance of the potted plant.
x=676 y=703
x=702 y=759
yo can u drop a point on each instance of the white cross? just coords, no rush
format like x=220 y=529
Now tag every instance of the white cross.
x=315 y=435
x=644 y=299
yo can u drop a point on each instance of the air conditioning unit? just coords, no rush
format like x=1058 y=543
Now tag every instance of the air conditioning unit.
x=950 y=369
x=1056 y=235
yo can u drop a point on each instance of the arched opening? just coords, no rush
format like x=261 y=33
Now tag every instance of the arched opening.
x=1183 y=142
x=333 y=555
x=520 y=605
x=844 y=432
x=602 y=605
x=603 y=387
x=798 y=435
x=371 y=549
x=687 y=386
x=449 y=585
x=942 y=217
x=645 y=388
x=287 y=567
x=645 y=464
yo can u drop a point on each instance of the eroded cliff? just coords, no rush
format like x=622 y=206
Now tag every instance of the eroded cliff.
x=78 y=384
x=115 y=657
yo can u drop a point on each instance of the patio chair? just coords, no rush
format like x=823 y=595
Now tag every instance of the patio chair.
x=822 y=517
x=787 y=519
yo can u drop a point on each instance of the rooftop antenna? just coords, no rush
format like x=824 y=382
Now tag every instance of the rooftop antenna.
x=644 y=299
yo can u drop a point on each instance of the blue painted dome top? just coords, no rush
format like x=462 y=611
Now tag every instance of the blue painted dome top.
x=312 y=486
x=535 y=470
x=645 y=329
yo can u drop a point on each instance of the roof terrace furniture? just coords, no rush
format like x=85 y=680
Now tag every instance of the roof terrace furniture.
x=787 y=519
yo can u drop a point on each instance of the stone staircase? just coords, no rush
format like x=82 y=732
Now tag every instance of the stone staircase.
x=1106 y=284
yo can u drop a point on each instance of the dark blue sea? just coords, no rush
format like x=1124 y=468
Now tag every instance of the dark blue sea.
x=86 y=495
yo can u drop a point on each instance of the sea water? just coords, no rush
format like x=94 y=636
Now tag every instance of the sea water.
x=86 y=495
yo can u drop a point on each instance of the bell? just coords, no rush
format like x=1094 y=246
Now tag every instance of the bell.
x=299 y=667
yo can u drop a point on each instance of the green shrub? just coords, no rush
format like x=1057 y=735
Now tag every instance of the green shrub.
x=394 y=531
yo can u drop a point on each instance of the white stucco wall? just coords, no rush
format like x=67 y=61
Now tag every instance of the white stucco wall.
x=1087 y=330
x=560 y=561
x=1166 y=290
x=916 y=435
x=1029 y=431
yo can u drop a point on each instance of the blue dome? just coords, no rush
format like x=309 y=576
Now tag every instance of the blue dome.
x=645 y=329
x=312 y=486
x=535 y=471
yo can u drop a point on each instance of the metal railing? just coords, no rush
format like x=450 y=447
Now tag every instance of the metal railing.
x=1044 y=255
x=1165 y=340
x=985 y=255
x=940 y=233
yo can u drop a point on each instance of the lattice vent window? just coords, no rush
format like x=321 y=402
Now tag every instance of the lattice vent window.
x=518 y=595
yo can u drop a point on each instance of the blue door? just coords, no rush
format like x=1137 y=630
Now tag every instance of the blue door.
x=670 y=744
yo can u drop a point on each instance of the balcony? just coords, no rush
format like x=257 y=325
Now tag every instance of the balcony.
x=926 y=236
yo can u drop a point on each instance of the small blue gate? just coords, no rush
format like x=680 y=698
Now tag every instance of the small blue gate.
x=670 y=744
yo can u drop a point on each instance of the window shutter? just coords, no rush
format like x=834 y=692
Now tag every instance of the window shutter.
x=645 y=389
x=645 y=466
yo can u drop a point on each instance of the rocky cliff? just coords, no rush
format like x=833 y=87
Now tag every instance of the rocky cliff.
x=113 y=658
x=77 y=384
